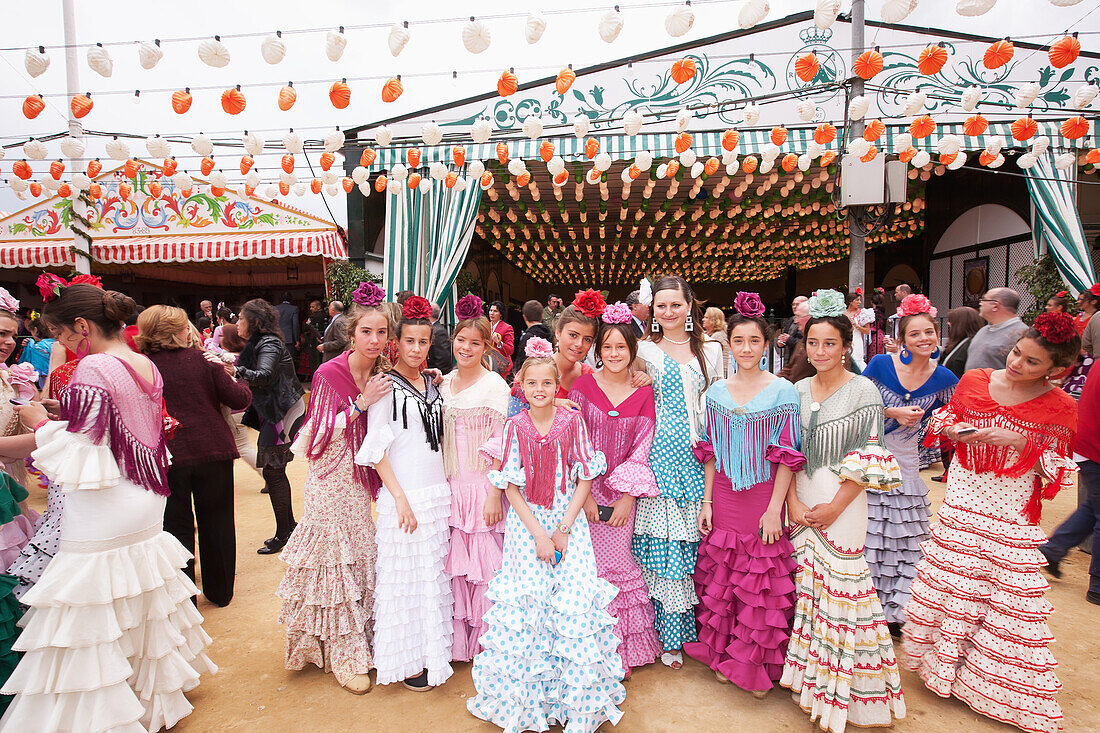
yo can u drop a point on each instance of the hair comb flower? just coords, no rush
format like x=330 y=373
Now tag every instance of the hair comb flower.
x=826 y=303
x=749 y=305
x=468 y=306
x=7 y=302
x=368 y=294
x=1057 y=328
x=1061 y=294
x=590 y=303
x=645 y=292
x=416 y=308
x=538 y=348
x=616 y=313
x=913 y=304
x=1095 y=289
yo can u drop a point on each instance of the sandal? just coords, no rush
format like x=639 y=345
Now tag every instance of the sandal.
x=721 y=677
x=359 y=684
x=675 y=660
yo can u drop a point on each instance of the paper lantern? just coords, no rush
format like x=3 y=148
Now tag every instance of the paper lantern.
x=922 y=127
x=214 y=53
x=789 y=162
x=64 y=190
x=683 y=70
x=233 y=101
x=907 y=155
x=857 y=108
x=475 y=169
x=340 y=94
x=117 y=149
x=124 y=191
x=158 y=147
x=532 y=127
x=95 y=191
x=931 y=59
x=985 y=158
x=806 y=66
x=398 y=38
x=273 y=49
x=752 y=114
x=486 y=180
x=150 y=54
x=730 y=139
x=57 y=168
x=476 y=36
x=1039 y=145
x=169 y=167
x=130 y=168
x=80 y=105
x=672 y=168
x=22 y=169
x=752 y=13
x=895 y=11
x=565 y=79
x=591 y=148
x=546 y=151
x=99 y=61
x=970 y=98
x=287 y=96
x=71 y=147
x=458 y=155
x=998 y=54
x=948 y=158
x=914 y=104
x=1075 y=127
x=534 y=27
x=287 y=163
x=335 y=43
x=749 y=164
x=181 y=101
x=1064 y=51
x=973 y=8
x=33 y=106
x=431 y=133
x=412 y=157
x=36 y=61
x=502 y=153
x=561 y=178
x=1024 y=128
x=874 y=130
x=1027 y=94
x=1092 y=157
x=683 y=142
x=611 y=24
x=155 y=189
x=327 y=159
x=247 y=161
x=315 y=185
x=206 y=165
x=284 y=188
x=1084 y=95
x=523 y=179
x=824 y=133
x=507 y=84
x=380 y=184
x=778 y=135
x=975 y=125
x=868 y=64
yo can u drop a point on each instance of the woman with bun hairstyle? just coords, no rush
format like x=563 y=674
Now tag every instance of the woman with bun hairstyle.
x=413 y=624
x=327 y=592
x=976 y=623
x=743 y=576
x=112 y=640
x=475 y=403
x=666 y=528
x=840 y=662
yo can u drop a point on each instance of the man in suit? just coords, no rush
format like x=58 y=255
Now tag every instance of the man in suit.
x=335 y=340
x=639 y=314
x=288 y=321
x=206 y=308
x=439 y=353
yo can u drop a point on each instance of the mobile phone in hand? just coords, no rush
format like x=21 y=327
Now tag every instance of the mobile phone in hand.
x=557 y=557
x=19 y=401
x=605 y=512
x=962 y=432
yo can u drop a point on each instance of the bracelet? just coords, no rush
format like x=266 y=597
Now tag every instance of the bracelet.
x=357 y=408
x=708 y=501
x=563 y=529
x=42 y=422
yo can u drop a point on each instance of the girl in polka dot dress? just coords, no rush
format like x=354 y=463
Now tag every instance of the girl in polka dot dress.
x=549 y=647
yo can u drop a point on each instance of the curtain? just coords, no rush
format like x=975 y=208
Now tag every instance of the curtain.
x=1055 y=221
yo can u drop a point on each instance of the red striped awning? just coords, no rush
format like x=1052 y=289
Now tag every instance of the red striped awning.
x=186 y=248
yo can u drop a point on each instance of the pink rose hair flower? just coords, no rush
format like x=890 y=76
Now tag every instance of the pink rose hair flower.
x=368 y=294
x=7 y=302
x=538 y=348
x=616 y=313
x=913 y=304
x=469 y=307
x=749 y=305
x=50 y=286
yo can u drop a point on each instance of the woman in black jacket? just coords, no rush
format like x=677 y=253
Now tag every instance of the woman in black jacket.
x=276 y=410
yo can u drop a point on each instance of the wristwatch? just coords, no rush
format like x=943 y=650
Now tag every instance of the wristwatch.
x=564 y=529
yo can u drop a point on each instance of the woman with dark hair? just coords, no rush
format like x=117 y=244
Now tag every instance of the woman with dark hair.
x=116 y=583
x=276 y=411
x=504 y=337
x=1058 y=303
x=861 y=319
x=666 y=529
x=962 y=324
x=203 y=448
x=750 y=452
x=876 y=340
x=1088 y=302
x=840 y=662
x=620 y=418
x=976 y=623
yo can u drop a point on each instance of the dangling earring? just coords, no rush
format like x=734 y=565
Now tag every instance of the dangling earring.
x=905 y=356
x=83 y=347
x=689 y=326
x=844 y=360
x=655 y=327
x=763 y=363
x=935 y=354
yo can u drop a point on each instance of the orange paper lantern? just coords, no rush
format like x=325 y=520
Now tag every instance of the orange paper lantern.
x=789 y=162
x=347 y=184
x=546 y=151
x=1075 y=127
x=523 y=179
x=288 y=163
x=380 y=184
x=502 y=153
x=392 y=89
x=367 y=157
x=57 y=168
x=327 y=159
x=80 y=105
x=828 y=157
x=217 y=191
x=561 y=178
x=948 y=158
x=998 y=54
x=169 y=166
x=95 y=191
x=33 y=106
x=340 y=94
x=730 y=138
x=868 y=64
x=565 y=79
x=64 y=190
x=458 y=155
x=1024 y=128
x=247 y=161
x=233 y=101
x=36 y=189
x=315 y=185
x=206 y=165
x=487 y=179
x=124 y=191
x=249 y=190
x=1064 y=51
x=94 y=168
x=1092 y=157
x=591 y=148
x=874 y=130
x=155 y=189
x=683 y=70
x=778 y=135
x=672 y=168
x=683 y=141
x=975 y=125
x=507 y=84
x=181 y=101
x=824 y=133
x=287 y=97
x=749 y=164
x=986 y=157
x=633 y=171
x=806 y=66
x=931 y=59
x=870 y=155
x=711 y=166
x=130 y=168
x=907 y=155
x=451 y=179
x=412 y=157
x=922 y=127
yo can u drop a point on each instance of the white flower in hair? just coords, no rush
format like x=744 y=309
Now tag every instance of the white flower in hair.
x=645 y=292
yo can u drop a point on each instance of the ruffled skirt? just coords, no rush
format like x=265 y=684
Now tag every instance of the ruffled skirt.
x=897 y=522
x=36 y=554
x=977 y=618
x=665 y=543
x=549 y=650
x=473 y=560
x=413 y=622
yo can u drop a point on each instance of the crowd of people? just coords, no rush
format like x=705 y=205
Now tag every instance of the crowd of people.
x=616 y=484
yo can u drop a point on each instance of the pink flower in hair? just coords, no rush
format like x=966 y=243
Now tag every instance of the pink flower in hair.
x=24 y=380
x=468 y=306
x=8 y=303
x=50 y=286
x=617 y=313
x=538 y=348
x=913 y=304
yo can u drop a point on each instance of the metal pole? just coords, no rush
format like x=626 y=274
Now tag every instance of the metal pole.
x=76 y=130
x=857 y=257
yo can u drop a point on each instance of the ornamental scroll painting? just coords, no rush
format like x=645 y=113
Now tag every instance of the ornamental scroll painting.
x=975 y=280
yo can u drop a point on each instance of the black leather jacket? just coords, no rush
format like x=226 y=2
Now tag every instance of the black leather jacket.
x=269 y=371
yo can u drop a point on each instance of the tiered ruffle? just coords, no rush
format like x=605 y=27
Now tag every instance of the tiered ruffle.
x=746 y=601
x=550 y=654
x=111 y=641
x=413 y=608
x=473 y=560
x=665 y=543
x=10 y=611
x=977 y=618
x=36 y=554
x=632 y=607
x=840 y=661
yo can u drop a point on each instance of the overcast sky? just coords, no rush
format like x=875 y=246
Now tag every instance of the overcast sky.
x=434 y=47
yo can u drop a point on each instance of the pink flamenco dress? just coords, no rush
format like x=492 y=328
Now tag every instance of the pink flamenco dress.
x=745 y=586
x=624 y=434
x=976 y=625
x=473 y=431
x=16 y=529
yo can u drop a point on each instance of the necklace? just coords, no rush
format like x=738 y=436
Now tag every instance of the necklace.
x=678 y=343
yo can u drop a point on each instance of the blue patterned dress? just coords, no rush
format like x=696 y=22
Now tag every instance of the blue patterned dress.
x=666 y=530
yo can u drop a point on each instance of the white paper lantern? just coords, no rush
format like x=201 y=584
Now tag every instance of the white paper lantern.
x=555 y=165
x=424 y=187
x=804 y=161
x=1027 y=160
x=516 y=166
x=36 y=61
x=481 y=131
x=299 y=189
x=36 y=150
x=532 y=127
x=814 y=149
x=50 y=184
x=213 y=52
x=292 y=142
x=644 y=160
x=288 y=178
x=770 y=152
x=859 y=147
x=624 y=175
x=806 y=110
x=399 y=172
x=857 y=108
x=253 y=143
x=732 y=167
x=994 y=145
x=460 y=184
x=149 y=54
x=632 y=122
x=333 y=141
x=602 y=162
x=99 y=60
x=273 y=49
x=688 y=158
x=359 y=174
x=476 y=36
x=1026 y=94
x=329 y=177
x=431 y=133
x=19 y=186
x=117 y=149
x=201 y=144
x=383 y=136
x=997 y=162
x=437 y=170
x=364 y=188
x=476 y=169
x=611 y=24
x=683 y=119
x=534 y=27
x=81 y=182
x=752 y=13
x=895 y=11
x=218 y=179
x=182 y=181
x=399 y=36
x=766 y=166
x=1064 y=3
x=72 y=147
x=335 y=43
x=679 y=20
x=697 y=169
x=158 y=147
x=949 y=145
x=662 y=170
x=904 y=141
x=271 y=191
x=914 y=104
x=1039 y=145
x=581 y=124
x=253 y=179
x=752 y=114
x=921 y=159
x=958 y=162
x=1084 y=95
x=973 y=8
x=970 y=98
x=825 y=13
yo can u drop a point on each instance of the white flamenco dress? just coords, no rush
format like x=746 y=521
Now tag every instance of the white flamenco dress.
x=112 y=640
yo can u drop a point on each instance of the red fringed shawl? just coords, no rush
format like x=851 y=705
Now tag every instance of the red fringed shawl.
x=567 y=442
x=1049 y=422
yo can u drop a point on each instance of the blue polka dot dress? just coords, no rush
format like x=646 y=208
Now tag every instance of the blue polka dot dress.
x=550 y=654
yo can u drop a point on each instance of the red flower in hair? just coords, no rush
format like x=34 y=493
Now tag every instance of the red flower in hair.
x=590 y=303
x=417 y=308
x=1061 y=294
x=87 y=280
x=1095 y=290
x=1057 y=328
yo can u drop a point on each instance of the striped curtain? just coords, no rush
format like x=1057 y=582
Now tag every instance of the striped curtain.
x=428 y=238
x=1055 y=221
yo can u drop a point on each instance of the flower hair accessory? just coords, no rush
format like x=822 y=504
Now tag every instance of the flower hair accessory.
x=748 y=305
x=468 y=306
x=858 y=291
x=590 y=303
x=826 y=304
x=1057 y=328
x=617 y=313
x=416 y=308
x=913 y=304
x=7 y=302
x=50 y=285
x=645 y=292
x=24 y=380
x=538 y=348
x=1061 y=294
x=368 y=294
x=1095 y=289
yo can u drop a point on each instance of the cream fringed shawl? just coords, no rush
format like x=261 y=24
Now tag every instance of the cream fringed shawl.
x=477 y=413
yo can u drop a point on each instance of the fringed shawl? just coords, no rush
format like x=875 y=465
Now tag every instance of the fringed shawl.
x=933 y=394
x=741 y=434
x=105 y=400
x=848 y=419
x=332 y=392
x=470 y=419
x=428 y=403
x=566 y=443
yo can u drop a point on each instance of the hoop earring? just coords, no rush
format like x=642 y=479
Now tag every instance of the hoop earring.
x=763 y=363
x=83 y=347
x=935 y=353
x=905 y=356
x=655 y=327
x=689 y=325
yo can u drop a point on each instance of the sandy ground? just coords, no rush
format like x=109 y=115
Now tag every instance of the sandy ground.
x=253 y=692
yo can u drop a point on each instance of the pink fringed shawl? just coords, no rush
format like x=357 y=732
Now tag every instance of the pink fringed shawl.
x=332 y=392
x=107 y=400
x=567 y=441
